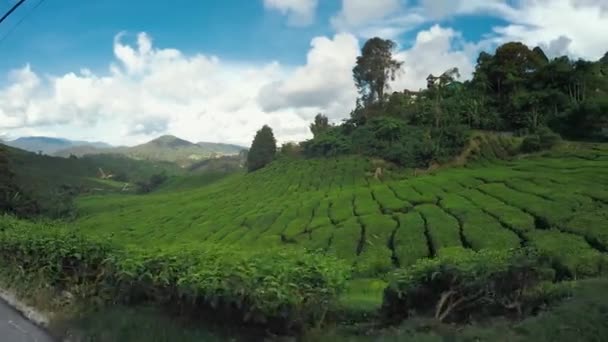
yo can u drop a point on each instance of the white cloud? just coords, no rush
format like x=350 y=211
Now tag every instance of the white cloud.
x=359 y=12
x=381 y=18
x=325 y=82
x=438 y=9
x=546 y=22
x=149 y=91
x=432 y=53
x=299 y=12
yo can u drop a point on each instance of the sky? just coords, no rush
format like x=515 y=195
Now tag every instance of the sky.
x=125 y=72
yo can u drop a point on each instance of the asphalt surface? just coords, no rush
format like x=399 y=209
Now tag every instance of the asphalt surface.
x=15 y=328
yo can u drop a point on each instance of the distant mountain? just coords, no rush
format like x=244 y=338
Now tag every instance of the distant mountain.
x=165 y=148
x=50 y=145
x=226 y=149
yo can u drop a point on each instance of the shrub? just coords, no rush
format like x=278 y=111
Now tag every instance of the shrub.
x=530 y=144
x=290 y=150
x=548 y=138
x=543 y=139
x=460 y=283
x=443 y=229
x=409 y=241
x=327 y=144
x=156 y=180
x=282 y=289
x=375 y=257
x=391 y=139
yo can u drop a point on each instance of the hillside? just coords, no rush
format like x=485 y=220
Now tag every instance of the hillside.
x=51 y=145
x=50 y=178
x=165 y=148
x=553 y=201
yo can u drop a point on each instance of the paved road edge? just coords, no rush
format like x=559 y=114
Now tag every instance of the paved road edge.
x=27 y=311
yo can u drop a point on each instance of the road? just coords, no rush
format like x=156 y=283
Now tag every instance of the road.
x=15 y=328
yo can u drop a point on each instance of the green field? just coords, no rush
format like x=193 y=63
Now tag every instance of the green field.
x=334 y=206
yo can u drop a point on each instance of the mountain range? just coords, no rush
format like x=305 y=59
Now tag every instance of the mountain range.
x=165 y=148
x=48 y=145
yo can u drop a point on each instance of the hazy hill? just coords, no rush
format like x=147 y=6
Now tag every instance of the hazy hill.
x=50 y=145
x=165 y=148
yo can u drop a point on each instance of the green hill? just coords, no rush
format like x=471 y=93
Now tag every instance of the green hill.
x=556 y=201
x=165 y=148
x=50 y=146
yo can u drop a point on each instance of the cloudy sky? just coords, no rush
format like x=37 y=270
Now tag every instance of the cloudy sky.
x=125 y=72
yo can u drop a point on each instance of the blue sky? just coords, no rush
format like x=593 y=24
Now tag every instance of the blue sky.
x=60 y=35
x=191 y=68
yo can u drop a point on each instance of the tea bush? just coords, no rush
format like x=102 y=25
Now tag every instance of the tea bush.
x=480 y=230
x=409 y=241
x=443 y=229
x=285 y=290
x=460 y=283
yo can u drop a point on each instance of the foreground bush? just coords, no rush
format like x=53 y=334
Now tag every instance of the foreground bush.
x=460 y=283
x=282 y=290
x=543 y=139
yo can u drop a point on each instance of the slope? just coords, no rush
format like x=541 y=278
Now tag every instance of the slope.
x=49 y=178
x=48 y=145
x=555 y=201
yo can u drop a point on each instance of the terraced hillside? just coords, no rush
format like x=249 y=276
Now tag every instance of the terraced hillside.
x=557 y=202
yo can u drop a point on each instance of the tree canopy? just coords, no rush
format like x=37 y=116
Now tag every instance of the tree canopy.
x=263 y=149
x=319 y=125
x=375 y=68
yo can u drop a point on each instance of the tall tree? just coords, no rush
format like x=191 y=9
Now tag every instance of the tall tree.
x=375 y=68
x=263 y=149
x=320 y=125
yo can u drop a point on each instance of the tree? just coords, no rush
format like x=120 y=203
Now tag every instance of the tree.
x=263 y=149
x=12 y=198
x=320 y=125
x=375 y=68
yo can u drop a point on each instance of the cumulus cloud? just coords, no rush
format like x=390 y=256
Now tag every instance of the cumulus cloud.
x=359 y=12
x=438 y=9
x=382 y=18
x=433 y=53
x=149 y=91
x=576 y=26
x=325 y=82
x=298 y=12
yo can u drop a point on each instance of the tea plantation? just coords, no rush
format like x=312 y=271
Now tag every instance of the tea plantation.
x=557 y=202
x=238 y=244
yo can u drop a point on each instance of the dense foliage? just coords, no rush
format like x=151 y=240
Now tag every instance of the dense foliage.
x=375 y=68
x=12 y=198
x=263 y=149
x=515 y=88
x=391 y=139
x=460 y=283
x=156 y=180
x=282 y=289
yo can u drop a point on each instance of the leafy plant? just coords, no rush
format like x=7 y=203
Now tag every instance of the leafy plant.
x=459 y=283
